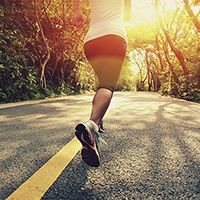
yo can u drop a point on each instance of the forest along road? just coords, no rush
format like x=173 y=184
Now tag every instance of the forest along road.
x=153 y=149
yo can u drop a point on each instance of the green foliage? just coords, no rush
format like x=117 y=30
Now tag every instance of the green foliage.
x=17 y=82
x=23 y=50
x=188 y=87
x=158 y=66
x=126 y=80
x=86 y=77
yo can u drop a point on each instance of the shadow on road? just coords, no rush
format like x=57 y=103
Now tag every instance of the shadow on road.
x=153 y=149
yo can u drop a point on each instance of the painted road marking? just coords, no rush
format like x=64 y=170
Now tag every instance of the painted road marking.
x=36 y=186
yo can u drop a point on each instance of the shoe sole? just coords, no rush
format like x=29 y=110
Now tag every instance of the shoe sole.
x=89 y=154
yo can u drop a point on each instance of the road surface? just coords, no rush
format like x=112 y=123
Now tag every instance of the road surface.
x=153 y=149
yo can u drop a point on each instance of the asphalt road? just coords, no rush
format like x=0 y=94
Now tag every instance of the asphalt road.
x=153 y=149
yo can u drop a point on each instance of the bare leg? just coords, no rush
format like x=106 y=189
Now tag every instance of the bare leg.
x=101 y=101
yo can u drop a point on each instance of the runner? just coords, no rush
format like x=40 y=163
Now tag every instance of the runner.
x=105 y=48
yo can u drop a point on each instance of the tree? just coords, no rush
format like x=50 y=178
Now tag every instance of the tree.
x=166 y=44
x=176 y=51
x=41 y=34
x=42 y=63
x=193 y=17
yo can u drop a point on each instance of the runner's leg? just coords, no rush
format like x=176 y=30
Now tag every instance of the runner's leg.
x=101 y=101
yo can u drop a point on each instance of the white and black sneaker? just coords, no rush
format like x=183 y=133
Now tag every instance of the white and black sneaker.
x=89 y=138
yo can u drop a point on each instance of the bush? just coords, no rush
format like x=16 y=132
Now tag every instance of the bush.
x=17 y=83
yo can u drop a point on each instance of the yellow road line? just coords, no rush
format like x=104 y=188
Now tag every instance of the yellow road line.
x=36 y=186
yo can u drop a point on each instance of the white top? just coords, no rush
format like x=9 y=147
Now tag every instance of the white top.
x=107 y=17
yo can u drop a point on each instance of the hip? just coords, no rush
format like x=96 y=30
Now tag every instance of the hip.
x=107 y=45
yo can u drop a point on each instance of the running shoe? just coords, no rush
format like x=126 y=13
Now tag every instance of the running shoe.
x=89 y=139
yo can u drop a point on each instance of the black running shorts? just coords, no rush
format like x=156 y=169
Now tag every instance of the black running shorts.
x=106 y=55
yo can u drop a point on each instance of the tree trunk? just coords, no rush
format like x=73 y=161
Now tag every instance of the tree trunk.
x=159 y=54
x=43 y=64
x=169 y=40
x=62 y=72
x=171 y=70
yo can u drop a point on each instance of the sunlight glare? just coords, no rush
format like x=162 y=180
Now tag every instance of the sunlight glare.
x=143 y=10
